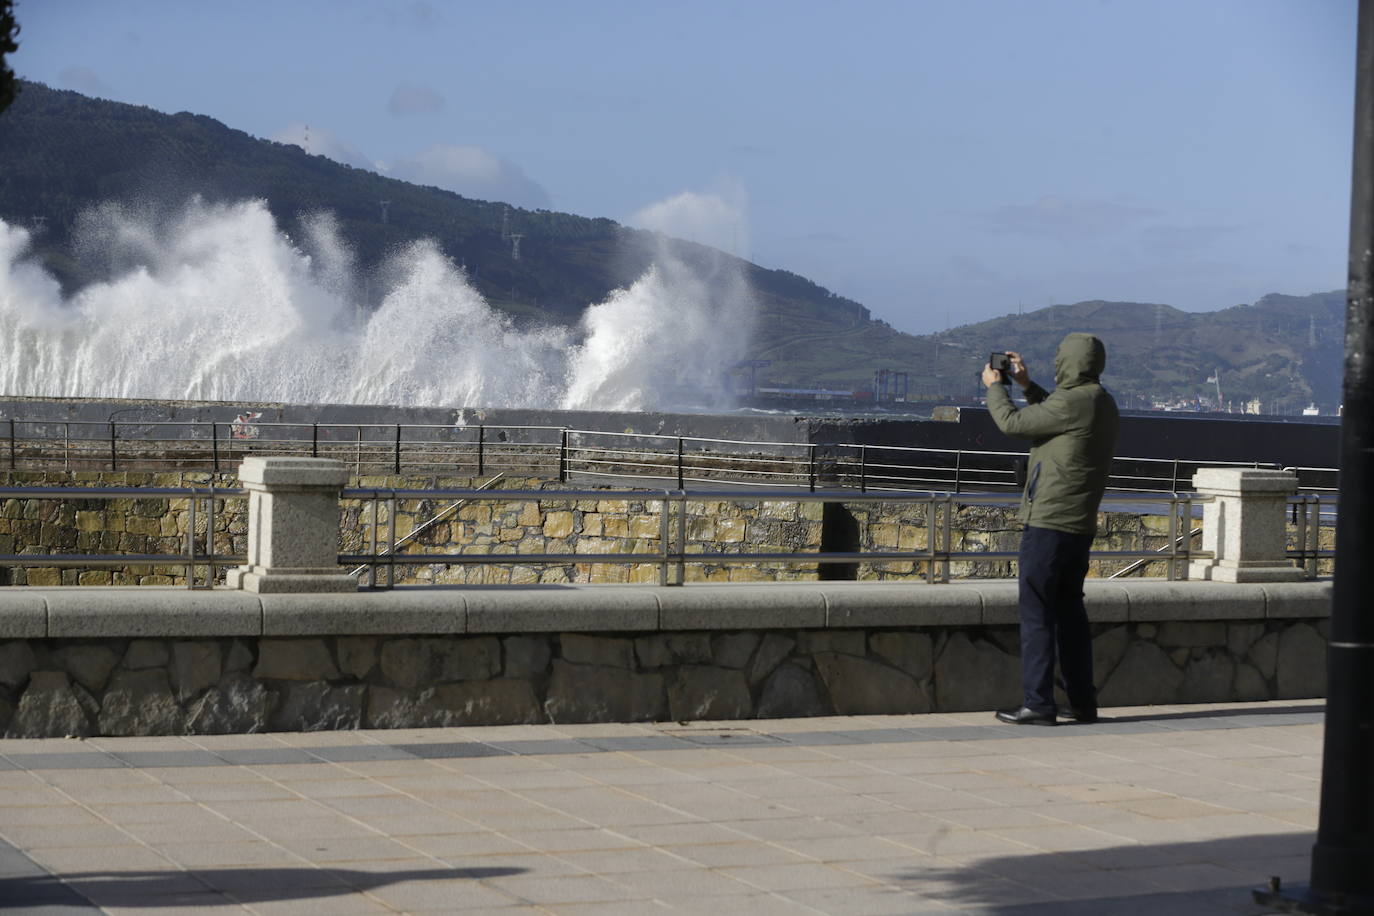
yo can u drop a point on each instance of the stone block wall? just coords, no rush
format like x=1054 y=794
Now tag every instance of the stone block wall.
x=169 y=686
x=610 y=525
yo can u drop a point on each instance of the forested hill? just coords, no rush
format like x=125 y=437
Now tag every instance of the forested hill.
x=1287 y=351
x=62 y=153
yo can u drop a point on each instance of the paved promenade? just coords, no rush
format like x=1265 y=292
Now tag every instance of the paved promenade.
x=1177 y=810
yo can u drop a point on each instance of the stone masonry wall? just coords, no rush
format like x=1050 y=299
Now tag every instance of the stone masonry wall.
x=57 y=687
x=610 y=525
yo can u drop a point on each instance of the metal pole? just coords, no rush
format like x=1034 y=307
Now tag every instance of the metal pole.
x=681 y=538
x=11 y=443
x=375 y=550
x=214 y=444
x=811 y=466
x=663 y=542
x=391 y=542
x=114 y=455
x=679 y=462
x=210 y=536
x=563 y=456
x=314 y=440
x=191 y=542
x=1316 y=529
x=398 y=449
x=1172 y=567
x=1342 y=880
x=481 y=443
x=863 y=469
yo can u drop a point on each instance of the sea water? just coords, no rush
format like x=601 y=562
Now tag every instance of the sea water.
x=219 y=303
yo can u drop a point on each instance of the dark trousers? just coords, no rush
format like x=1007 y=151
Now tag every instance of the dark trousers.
x=1052 y=567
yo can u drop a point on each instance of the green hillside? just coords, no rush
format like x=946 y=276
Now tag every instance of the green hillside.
x=62 y=153
x=1286 y=351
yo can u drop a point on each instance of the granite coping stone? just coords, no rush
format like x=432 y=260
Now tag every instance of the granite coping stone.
x=1164 y=600
x=23 y=615
x=555 y=608
x=885 y=604
x=762 y=606
x=1297 y=599
x=411 y=611
x=150 y=611
x=138 y=611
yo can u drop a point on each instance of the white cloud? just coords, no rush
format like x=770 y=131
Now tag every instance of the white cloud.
x=319 y=142
x=472 y=172
x=716 y=218
x=86 y=81
x=408 y=99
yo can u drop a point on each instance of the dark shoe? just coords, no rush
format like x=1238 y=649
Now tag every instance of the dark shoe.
x=1085 y=715
x=1025 y=716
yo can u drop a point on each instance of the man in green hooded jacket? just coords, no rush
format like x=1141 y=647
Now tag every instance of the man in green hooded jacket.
x=1073 y=433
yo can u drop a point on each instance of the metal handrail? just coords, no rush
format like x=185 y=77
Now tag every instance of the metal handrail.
x=190 y=559
x=421 y=529
x=210 y=445
x=672 y=553
x=675 y=556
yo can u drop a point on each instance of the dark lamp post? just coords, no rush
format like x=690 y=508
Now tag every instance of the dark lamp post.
x=1342 y=878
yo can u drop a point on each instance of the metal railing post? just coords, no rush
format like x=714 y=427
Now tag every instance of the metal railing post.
x=398 y=449
x=66 y=446
x=1316 y=529
x=958 y=468
x=214 y=445
x=663 y=542
x=811 y=466
x=1187 y=536
x=191 y=542
x=372 y=567
x=391 y=541
x=1172 y=565
x=863 y=469
x=314 y=440
x=12 y=456
x=481 y=446
x=679 y=462
x=681 y=538
x=210 y=537
x=114 y=454
x=946 y=540
x=563 y=457
x=1173 y=484
x=930 y=541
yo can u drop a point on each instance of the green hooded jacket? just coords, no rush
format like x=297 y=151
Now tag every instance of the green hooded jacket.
x=1073 y=434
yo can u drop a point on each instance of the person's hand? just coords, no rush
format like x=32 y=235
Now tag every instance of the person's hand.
x=990 y=376
x=1018 y=371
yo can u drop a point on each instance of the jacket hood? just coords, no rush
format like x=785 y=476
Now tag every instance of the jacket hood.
x=1080 y=359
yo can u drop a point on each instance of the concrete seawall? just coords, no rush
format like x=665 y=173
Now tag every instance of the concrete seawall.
x=149 y=660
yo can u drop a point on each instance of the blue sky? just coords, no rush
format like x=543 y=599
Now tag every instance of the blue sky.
x=940 y=161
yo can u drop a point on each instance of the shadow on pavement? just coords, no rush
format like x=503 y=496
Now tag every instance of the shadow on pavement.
x=1208 y=878
x=83 y=891
x=1258 y=712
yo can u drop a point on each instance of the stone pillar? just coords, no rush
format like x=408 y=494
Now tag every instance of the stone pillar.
x=293 y=526
x=1243 y=525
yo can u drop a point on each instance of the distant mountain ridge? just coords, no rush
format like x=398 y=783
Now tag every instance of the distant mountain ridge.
x=62 y=153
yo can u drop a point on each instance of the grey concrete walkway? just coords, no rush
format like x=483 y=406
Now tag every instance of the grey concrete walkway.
x=1178 y=810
